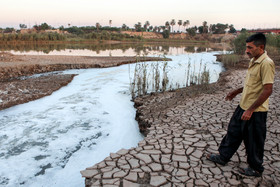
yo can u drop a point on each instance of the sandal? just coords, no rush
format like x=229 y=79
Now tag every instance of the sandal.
x=216 y=159
x=250 y=172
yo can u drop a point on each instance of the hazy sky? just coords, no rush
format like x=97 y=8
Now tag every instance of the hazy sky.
x=240 y=13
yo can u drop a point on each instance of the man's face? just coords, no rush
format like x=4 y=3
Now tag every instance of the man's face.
x=254 y=51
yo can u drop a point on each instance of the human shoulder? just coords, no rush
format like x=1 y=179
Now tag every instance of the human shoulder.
x=267 y=59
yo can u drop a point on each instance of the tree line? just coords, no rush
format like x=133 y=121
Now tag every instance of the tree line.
x=218 y=28
x=98 y=32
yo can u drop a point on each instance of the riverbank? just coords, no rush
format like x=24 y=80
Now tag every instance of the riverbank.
x=180 y=129
x=17 y=88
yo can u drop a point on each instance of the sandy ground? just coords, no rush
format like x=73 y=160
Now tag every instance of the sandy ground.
x=16 y=88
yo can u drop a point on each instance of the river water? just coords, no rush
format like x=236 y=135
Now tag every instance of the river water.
x=47 y=142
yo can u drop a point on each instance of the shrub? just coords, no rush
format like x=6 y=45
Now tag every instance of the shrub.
x=166 y=33
x=240 y=43
x=230 y=60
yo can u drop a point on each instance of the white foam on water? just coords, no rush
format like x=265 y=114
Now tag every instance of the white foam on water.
x=47 y=142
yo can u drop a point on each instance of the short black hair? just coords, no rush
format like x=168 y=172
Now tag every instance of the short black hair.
x=258 y=39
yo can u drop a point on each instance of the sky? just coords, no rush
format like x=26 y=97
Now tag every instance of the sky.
x=247 y=14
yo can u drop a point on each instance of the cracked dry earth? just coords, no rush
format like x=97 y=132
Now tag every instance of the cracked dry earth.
x=180 y=130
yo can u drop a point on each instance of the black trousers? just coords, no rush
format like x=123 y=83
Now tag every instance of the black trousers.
x=251 y=132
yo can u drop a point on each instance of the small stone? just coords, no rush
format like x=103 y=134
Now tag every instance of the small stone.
x=156 y=158
x=150 y=152
x=114 y=155
x=122 y=152
x=197 y=154
x=134 y=163
x=132 y=176
x=206 y=171
x=127 y=183
x=120 y=174
x=155 y=167
x=190 y=132
x=181 y=172
x=184 y=165
x=145 y=158
x=234 y=182
x=179 y=158
x=89 y=173
x=189 y=150
x=200 y=182
x=215 y=171
x=158 y=180
x=200 y=144
x=109 y=181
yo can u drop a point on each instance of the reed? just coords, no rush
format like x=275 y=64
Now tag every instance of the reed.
x=154 y=77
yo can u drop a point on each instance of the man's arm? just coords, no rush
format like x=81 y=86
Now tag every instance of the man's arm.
x=232 y=94
x=267 y=90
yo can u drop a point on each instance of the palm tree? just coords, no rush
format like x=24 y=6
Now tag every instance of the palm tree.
x=173 y=22
x=167 y=25
x=110 y=23
x=205 y=27
x=147 y=24
x=188 y=23
x=180 y=23
x=97 y=26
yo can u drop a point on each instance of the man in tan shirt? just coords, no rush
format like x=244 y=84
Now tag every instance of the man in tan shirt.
x=248 y=123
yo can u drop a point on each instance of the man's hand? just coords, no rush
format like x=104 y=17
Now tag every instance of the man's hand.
x=230 y=96
x=247 y=115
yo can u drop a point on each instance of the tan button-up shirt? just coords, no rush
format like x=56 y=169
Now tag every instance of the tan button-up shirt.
x=260 y=72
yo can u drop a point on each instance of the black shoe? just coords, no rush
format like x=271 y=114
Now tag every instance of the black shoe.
x=216 y=159
x=250 y=172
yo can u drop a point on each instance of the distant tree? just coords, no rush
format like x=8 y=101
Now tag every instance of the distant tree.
x=232 y=29
x=75 y=30
x=147 y=24
x=166 y=33
x=243 y=30
x=8 y=30
x=110 y=23
x=200 y=29
x=205 y=27
x=167 y=26
x=219 y=28
x=155 y=29
x=61 y=28
x=138 y=27
x=172 y=23
x=180 y=22
x=98 y=26
x=22 y=26
x=151 y=28
x=43 y=26
x=69 y=24
x=186 y=24
x=124 y=27
x=192 y=31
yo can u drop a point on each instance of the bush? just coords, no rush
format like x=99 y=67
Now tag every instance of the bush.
x=166 y=33
x=240 y=43
x=230 y=60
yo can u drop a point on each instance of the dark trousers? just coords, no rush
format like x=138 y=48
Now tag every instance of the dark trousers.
x=251 y=132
